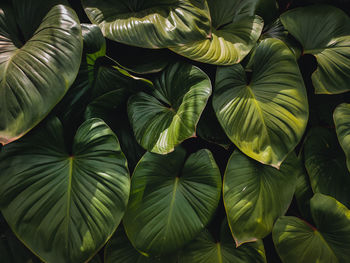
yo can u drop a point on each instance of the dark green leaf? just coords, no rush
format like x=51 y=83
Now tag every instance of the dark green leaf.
x=342 y=123
x=172 y=199
x=40 y=47
x=64 y=206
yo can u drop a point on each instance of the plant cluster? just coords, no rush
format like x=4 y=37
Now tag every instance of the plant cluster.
x=185 y=131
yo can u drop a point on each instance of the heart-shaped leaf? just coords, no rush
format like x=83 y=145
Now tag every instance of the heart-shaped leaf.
x=342 y=124
x=64 y=206
x=150 y=24
x=172 y=199
x=204 y=249
x=255 y=195
x=120 y=250
x=325 y=163
x=170 y=114
x=40 y=47
x=265 y=117
x=324 y=32
x=234 y=33
x=297 y=241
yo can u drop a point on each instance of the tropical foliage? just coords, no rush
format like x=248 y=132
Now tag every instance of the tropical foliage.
x=182 y=131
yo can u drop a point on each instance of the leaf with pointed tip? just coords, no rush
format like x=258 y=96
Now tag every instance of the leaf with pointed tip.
x=255 y=195
x=325 y=163
x=64 y=206
x=169 y=115
x=324 y=32
x=172 y=199
x=231 y=40
x=150 y=24
x=120 y=250
x=297 y=241
x=265 y=118
x=37 y=40
x=204 y=249
x=342 y=124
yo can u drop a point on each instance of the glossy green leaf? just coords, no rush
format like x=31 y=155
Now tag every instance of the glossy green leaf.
x=204 y=249
x=342 y=124
x=37 y=40
x=172 y=199
x=120 y=250
x=299 y=242
x=231 y=39
x=325 y=163
x=64 y=206
x=169 y=115
x=150 y=24
x=255 y=195
x=265 y=117
x=324 y=32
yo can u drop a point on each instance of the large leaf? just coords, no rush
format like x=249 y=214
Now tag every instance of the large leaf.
x=342 y=123
x=255 y=195
x=150 y=24
x=169 y=115
x=204 y=249
x=299 y=242
x=40 y=53
x=120 y=250
x=324 y=32
x=234 y=33
x=265 y=117
x=64 y=205
x=172 y=199
x=326 y=165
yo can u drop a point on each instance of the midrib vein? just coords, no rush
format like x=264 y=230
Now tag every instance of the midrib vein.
x=69 y=189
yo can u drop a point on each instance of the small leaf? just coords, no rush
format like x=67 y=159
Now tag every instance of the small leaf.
x=169 y=115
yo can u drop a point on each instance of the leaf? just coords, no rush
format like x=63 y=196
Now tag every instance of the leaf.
x=297 y=241
x=150 y=24
x=326 y=165
x=230 y=40
x=64 y=206
x=169 y=115
x=172 y=199
x=265 y=117
x=255 y=195
x=204 y=249
x=37 y=40
x=341 y=118
x=324 y=32
x=120 y=250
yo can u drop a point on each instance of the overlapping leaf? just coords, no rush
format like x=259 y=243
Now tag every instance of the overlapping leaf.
x=150 y=24
x=255 y=195
x=299 y=242
x=64 y=206
x=172 y=199
x=234 y=33
x=342 y=123
x=326 y=165
x=40 y=47
x=204 y=249
x=265 y=117
x=169 y=115
x=324 y=32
